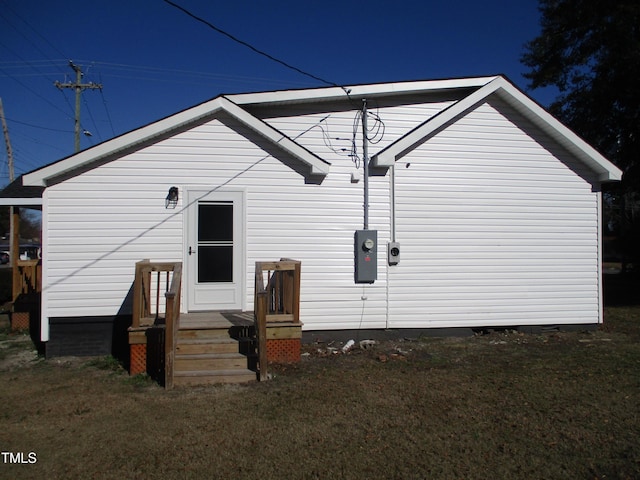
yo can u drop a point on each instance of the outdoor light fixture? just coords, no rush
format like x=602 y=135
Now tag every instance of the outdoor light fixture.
x=172 y=198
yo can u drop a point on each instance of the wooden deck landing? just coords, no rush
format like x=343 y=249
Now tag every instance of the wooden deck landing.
x=215 y=320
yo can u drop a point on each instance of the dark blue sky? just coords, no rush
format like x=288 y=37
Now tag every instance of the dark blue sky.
x=153 y=60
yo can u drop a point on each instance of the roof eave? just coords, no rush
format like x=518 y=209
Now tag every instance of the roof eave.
x=605 y=170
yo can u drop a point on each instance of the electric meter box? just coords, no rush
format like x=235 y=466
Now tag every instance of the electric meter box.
x=393 y=253
x=366 y=258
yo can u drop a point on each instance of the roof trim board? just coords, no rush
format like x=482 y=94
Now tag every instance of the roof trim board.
x=606 y=170
x=356 y=91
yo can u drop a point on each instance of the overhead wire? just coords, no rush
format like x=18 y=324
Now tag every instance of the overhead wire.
x=95 y=126
x=376 y=129
x=106 y=109
x=8 y=4
x=378 y=126
x=153 y=71
x=39 y=126
x=251 y=47
x=54 y=63
x=27 y=62
x=33 y=91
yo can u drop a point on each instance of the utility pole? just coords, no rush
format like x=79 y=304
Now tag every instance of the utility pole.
x=5 y=130
x=78 y=86
x=14 y=215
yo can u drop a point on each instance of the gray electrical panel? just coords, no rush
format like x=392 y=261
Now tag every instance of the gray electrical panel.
x=366 y=258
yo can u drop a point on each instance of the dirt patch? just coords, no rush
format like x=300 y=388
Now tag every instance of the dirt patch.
x=17 y=351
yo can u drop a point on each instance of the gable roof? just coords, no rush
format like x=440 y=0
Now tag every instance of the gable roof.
x=499 y=86
x=101 y=153
x=476 y=91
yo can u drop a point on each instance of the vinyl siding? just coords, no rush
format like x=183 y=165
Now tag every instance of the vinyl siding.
x=101 y=222
x=497 y=227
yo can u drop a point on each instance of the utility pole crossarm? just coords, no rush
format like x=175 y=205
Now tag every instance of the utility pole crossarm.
x=78 y=86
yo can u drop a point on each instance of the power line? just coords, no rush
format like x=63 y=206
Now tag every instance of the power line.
x=34 y=92
x=39 y=126
x=95 y=125
x=7 y=4
x=150 y=74
x=251 y=47
x=182 y=73
x=106 y=109
x=52 y=62
x=20 y=151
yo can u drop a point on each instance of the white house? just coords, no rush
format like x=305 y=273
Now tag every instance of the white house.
x=495 y=205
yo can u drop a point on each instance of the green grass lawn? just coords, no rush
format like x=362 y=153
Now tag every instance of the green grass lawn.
x=504 y=405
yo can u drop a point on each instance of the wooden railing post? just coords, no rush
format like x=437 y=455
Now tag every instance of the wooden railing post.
x=14 y=254
x=261 y=327
x=142 y=308
x=169 y=341
x=172 y=324
x=136 y=313
x=276 y=302
x=295 y=304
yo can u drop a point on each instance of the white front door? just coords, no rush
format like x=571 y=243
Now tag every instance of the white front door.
x=215 y=250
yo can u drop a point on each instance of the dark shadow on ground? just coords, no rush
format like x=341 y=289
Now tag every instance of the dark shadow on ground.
x=621 y=289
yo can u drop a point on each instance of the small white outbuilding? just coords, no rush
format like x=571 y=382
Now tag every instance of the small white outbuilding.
x=494 y=205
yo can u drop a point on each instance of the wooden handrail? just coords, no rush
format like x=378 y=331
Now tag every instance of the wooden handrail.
x=147 y=313
x=276 y=299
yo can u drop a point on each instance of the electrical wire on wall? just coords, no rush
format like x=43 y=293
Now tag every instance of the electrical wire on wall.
x=328 y=140
x=375 y=133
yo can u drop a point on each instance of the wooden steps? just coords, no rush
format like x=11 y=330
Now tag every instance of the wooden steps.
x=209 y=355
x=205 y=345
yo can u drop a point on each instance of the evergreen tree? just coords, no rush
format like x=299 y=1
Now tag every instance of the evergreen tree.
x=590 y=51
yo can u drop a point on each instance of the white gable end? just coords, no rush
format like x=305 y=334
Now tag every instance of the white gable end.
x=498 y=226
